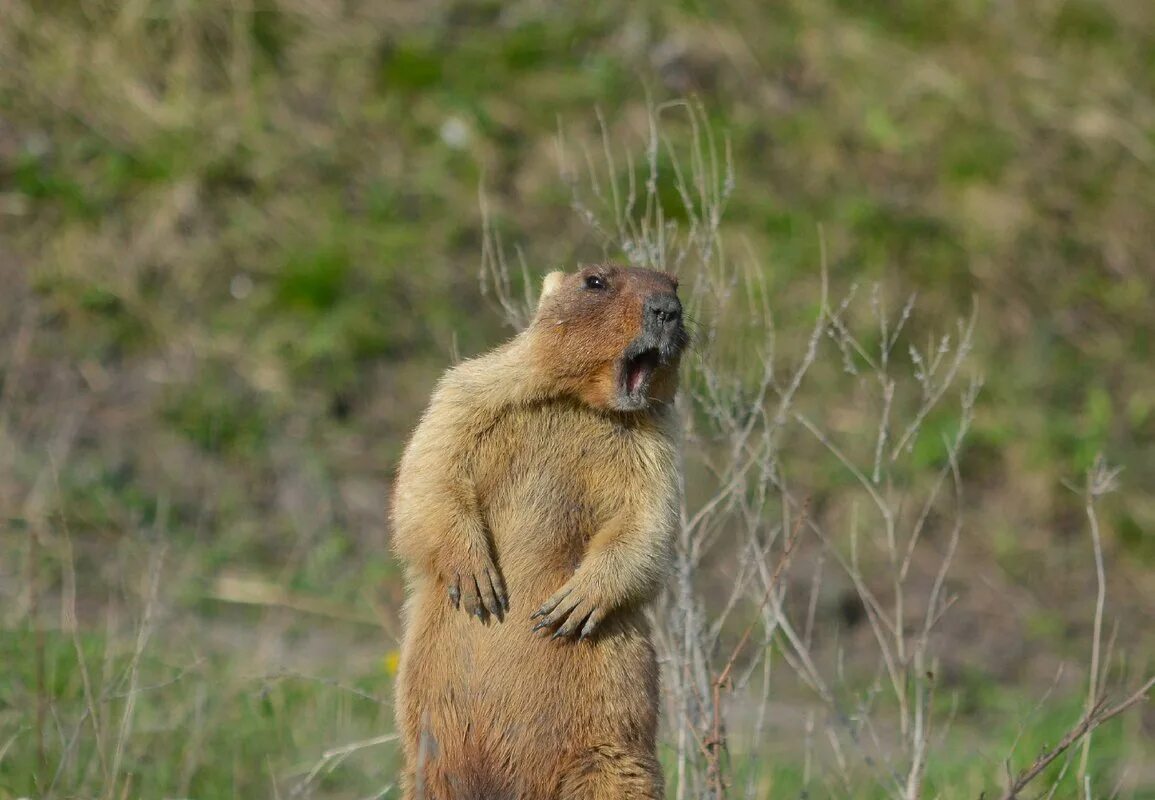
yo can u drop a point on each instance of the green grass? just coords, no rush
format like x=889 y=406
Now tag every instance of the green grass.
x=200 y=728
x=204 y=725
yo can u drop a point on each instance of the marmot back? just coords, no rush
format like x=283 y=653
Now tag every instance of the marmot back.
x=534 y=510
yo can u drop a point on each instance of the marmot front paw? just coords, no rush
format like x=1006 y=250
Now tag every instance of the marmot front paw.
x=579 y=608
x=479 y=589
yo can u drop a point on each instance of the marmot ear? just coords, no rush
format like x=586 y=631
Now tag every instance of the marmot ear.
x=550 y=284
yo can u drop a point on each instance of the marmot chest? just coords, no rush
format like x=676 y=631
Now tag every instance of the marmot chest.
x=547 y=479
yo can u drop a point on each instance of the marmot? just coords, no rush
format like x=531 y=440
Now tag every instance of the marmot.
x=534 y=510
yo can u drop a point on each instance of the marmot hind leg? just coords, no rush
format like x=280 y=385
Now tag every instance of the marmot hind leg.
x=612 y=773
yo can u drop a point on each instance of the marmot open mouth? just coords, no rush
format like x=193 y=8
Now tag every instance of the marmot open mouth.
x=638 y=371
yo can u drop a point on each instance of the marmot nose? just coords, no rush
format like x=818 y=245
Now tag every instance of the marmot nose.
x=663 y=308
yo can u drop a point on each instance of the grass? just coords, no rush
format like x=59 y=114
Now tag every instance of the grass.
x=197 y=728
x=220 y=708
x=133 y=699
x=240 y=240
x=209 y=726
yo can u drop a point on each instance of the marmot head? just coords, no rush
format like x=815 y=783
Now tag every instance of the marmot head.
x=610 y=336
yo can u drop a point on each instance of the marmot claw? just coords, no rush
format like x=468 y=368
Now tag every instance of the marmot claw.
x=481 y=593
x=573 y=612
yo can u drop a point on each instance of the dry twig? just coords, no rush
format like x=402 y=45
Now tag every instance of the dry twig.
x=1098 y=714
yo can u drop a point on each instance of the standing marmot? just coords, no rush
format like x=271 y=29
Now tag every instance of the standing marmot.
x=537 y=499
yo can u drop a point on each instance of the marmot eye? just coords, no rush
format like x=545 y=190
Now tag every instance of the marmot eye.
x=596 y=282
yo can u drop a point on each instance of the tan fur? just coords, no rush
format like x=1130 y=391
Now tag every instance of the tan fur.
x=521 y=476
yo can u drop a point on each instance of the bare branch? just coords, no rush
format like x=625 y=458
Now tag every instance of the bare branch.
x=1099 y=714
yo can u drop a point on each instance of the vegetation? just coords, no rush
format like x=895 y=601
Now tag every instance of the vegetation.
x=239 y=241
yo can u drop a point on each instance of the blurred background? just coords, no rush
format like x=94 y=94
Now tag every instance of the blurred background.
x=240 y=239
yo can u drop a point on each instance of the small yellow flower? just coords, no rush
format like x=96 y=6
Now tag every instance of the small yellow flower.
x=391 y=661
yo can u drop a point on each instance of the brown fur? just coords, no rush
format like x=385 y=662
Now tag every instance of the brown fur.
x=523 y=475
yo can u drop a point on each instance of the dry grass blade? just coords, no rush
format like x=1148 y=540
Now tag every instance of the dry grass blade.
x=716 y=742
